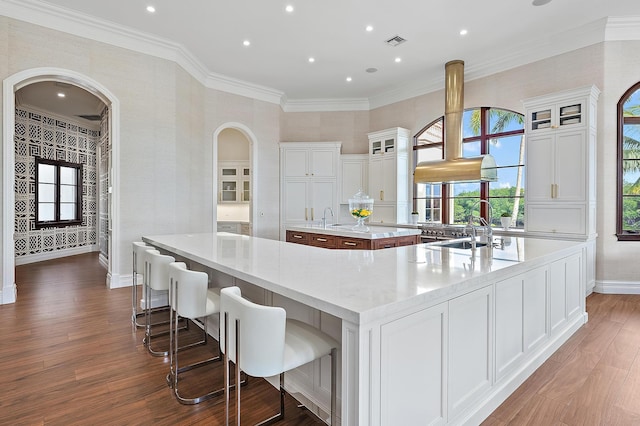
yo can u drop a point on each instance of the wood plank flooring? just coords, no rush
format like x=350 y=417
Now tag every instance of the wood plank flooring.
x=593 y=379
x=70 y=356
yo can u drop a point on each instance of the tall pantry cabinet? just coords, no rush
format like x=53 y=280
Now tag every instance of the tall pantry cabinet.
x=308 y=180
x=389 y=175
x=560 y=195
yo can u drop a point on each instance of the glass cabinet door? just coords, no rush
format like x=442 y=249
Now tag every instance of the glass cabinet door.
x=229 y=190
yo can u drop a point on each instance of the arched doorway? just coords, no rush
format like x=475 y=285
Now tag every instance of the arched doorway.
x=246 y=134
x=10 y=86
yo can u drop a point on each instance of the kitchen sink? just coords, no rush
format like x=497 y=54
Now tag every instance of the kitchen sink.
x=461 y=244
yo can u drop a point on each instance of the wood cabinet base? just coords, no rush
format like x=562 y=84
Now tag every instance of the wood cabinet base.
x=338 y=242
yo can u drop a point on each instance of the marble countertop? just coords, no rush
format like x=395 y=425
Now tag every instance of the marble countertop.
x=346 y=230
x=362 y=285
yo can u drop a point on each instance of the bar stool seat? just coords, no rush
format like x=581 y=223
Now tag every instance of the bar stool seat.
x=190 y=298
x=156 y=279
x=138 y=249
x=263 y=342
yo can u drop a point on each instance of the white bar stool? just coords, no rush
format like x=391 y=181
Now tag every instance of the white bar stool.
x=138 y=268
x=156 y=278
x=266 y=343
x=189 y=298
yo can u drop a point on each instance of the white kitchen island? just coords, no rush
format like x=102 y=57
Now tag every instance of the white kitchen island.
x=430 y=335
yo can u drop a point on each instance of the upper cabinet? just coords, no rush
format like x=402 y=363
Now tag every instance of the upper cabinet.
x=389 y=175
x=353 y=175
x=308 y=181
x=561 y=160
x=305 y=161
x=234 y=180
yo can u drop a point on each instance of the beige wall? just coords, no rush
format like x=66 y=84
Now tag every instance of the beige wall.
x=168 y=120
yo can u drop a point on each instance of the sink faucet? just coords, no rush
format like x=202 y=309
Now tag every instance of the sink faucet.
x=324 y=216
x=488 y=231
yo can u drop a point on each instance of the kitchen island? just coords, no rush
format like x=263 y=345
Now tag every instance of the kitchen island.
x=430 y=334
x=345 y=237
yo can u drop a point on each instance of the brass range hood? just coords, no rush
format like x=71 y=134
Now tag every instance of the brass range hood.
x=454 y=168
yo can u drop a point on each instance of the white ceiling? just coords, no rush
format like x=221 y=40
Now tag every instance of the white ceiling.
x=209 y=34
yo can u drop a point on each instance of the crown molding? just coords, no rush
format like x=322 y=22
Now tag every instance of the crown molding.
x=82 y=25
x=325 y=105
x=43 y=14
x=622 y=28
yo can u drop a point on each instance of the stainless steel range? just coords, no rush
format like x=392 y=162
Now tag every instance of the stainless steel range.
x=433 y=232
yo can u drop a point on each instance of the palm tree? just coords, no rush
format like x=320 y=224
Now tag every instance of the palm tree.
x=502 y=119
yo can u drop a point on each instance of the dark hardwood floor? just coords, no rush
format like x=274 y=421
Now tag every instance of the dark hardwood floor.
x=70 y=356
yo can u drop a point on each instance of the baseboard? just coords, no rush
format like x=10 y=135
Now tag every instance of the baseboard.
x=56 y=254
x=617 y=287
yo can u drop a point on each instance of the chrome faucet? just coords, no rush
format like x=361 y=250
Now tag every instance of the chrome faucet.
x=488 y=230
x=324 y=216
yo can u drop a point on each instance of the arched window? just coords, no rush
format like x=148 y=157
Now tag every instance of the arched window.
x=628 y=187
x=485 y=131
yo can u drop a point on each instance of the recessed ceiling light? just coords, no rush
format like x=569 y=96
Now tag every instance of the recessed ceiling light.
x=289 y=8
x=371 y=70
x=398 y=60
x=312 y=60
x=369 y=28
x=61 y=95
x=463 y=32
x=246 y=43
x=151 y=9
x=540 y=2
x=348 y=79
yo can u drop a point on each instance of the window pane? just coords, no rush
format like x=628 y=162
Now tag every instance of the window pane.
x=471 y=123
x=433 y=134
x=46 y=193
x=68 y=176
x=501 y=120
x=462 y=209
x=631 y=107
x=631 y=144
x=67 y=194
x=631 y=177
x=67 y=211
x=46 y=173
x=470 y=189
x=46 y=212
x=471 y=149
x=506 y=151
x=631 y=213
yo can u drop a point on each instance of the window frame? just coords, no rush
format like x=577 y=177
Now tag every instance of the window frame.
x=621 y=234
x=484 y=139
x=57 y=223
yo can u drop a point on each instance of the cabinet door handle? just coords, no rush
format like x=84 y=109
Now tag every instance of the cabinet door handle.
x=297 y=236
x=554 y=126
x=556 y=186
x=381 y=195
x=349 y=243
x=312 y=219
x=306 y=217
x=322 y=240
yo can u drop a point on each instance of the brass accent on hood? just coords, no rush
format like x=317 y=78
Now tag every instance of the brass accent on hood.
x=455 y=168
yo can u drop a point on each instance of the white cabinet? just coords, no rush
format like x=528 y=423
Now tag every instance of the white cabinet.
x=470 y=349
x=413 y=350
x=235 y=227
x=353 y=175
x=389 y=175
x=308 y=181
x=234 y=180
x=566 y=294
x=560 y=163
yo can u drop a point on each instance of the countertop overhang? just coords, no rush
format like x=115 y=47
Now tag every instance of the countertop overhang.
x=362 y=285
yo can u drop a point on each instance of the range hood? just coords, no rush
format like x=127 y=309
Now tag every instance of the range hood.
x=454 y=168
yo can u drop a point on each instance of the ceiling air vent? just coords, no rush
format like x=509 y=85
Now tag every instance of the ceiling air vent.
x=395 y=40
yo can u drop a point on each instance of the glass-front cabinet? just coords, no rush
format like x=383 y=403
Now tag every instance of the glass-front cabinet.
x=234 y=182
x=562 y=115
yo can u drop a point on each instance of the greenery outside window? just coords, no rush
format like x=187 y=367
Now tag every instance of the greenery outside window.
x=628 y=185
x=485 y=131
x=58 y=193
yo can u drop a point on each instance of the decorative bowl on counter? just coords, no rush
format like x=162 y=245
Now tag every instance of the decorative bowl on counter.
x=360 y=207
